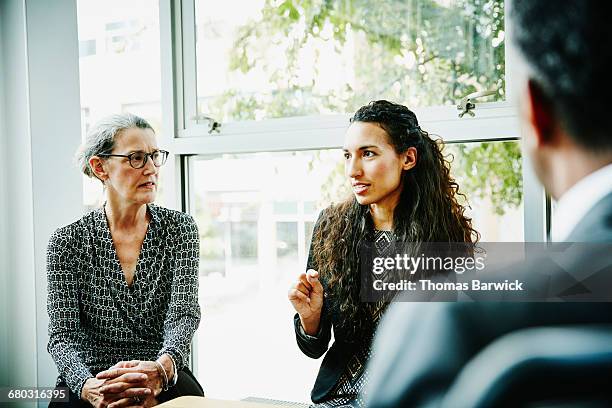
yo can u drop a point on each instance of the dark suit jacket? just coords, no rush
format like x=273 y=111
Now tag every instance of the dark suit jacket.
x=421 y=347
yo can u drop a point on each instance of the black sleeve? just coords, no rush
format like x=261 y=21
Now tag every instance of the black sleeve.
x=314 y=346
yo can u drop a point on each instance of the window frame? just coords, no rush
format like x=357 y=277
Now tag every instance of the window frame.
x=497 y=120
x=185 y=137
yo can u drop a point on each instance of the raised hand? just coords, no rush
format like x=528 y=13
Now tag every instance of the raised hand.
x=306 y=296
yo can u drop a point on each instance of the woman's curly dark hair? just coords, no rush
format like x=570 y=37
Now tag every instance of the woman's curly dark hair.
x=428 y=211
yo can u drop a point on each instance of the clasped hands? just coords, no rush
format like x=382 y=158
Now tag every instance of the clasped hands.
x=126 y=384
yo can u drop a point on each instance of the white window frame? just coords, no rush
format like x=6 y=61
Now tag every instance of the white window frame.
x=185 y=137
x=498 y=120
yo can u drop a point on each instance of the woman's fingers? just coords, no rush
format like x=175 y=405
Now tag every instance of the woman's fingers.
x=116 y=372
x=126 y=402
x=295 y=294
x=312 y=277
x=304 y=280
x=131 y=388
x=140 y=393
x=307 y=284
x=119 y=384
x=302 y=288
x=126 y=364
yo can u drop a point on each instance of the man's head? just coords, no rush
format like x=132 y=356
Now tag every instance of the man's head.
x=566 y=93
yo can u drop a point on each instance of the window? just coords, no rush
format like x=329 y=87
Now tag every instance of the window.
x=255 y=213
x=124 y=36
x=115 y=83
x=287 y=59
x=85 y=121
x=121 y=25
x=286 y=239
x=489 y=175
x=87 y=48
x=282 y=78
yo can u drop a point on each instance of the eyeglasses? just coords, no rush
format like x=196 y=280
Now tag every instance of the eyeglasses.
x=139 y=159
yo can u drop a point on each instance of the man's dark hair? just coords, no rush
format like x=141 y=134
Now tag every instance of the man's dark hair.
x=568 y=46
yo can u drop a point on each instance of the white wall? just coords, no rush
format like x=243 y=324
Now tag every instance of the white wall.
x=3 y=220
x=55 y=127
x=40 y=185
x=20 y=288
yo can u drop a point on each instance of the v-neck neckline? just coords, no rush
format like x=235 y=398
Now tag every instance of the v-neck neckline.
x=113 y=250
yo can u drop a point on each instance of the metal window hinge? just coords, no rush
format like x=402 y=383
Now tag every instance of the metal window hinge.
x=213 y=125
x=467 y=106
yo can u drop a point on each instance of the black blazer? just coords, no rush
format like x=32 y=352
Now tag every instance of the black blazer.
x=339 y=355
x=421 y=347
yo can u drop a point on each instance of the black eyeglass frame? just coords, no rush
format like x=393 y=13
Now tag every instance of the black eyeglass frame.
x=146 y=157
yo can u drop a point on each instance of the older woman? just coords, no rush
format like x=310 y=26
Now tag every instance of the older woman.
x=123 y=280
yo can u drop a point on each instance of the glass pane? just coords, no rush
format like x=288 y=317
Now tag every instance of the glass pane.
x=318 y=57
x=286 y=240
x=243 y=236
x=254 y=234
x=285 y=208
x=119 y=68
x=490 y=176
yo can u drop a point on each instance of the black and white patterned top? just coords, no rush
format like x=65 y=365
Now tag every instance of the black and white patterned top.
x=97 y=320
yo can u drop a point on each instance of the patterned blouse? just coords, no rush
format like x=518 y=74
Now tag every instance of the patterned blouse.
x=97 y=320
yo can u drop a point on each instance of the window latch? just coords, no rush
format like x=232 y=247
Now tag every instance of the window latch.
x=467 y=105
x=213 y=125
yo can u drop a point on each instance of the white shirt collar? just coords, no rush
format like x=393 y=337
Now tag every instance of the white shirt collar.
x=578 y=200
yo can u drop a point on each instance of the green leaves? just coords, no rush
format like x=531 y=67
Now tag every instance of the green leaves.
x=489 y=170
x=326 y=56
x=287 y=9
x=420 y=53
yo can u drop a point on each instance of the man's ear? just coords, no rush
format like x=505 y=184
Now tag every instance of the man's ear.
x=540 y=114
x=409 y=158
x=97 y=168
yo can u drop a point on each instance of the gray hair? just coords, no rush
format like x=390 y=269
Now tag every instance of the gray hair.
x=101 y=137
